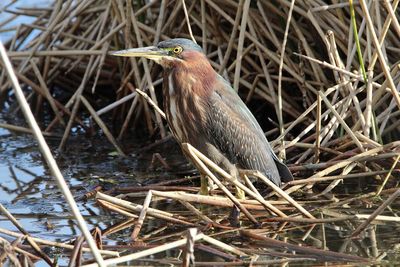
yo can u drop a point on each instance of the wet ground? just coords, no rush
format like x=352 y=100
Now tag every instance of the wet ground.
x=31 y=195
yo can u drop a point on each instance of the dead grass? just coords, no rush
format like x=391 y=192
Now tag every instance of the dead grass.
x=332 y=121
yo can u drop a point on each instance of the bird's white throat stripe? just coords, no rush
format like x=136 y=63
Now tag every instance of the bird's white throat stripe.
x=174 y=120
x=171 y=90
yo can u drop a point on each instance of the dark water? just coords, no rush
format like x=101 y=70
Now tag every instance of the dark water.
x=31 y=194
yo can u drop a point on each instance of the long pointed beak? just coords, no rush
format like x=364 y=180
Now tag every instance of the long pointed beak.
x=150 y=52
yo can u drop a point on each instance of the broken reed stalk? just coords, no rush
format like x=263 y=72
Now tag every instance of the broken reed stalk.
x=73 y=37
x=232 y=180
x=283 y=194
x=188 y=257
x=49 y=157
x=20 y=129
x=116 y=208
x=378 y=211
x=102 y=125
x=207 y=200
x=197 y=212
x=139 y=222
x=189 y=149
x=388 y=175
x=381 y=57
x=9 y=252
x=31 y=242
x=76 y=254
x=138 y=208
x=148 y=252
x=310 y=252
x=56 y=244
x=279 y=95
x=251 y=33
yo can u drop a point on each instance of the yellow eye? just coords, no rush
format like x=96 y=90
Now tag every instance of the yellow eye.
x=177 y=50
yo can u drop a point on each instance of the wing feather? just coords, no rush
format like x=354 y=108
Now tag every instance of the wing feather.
x=233 y=129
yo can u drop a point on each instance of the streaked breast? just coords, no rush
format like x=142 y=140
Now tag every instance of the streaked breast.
x=183 y=109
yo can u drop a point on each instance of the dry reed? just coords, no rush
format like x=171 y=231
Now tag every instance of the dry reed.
x=301 y=66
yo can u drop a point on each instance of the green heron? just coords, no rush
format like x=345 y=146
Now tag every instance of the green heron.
x=203 y=109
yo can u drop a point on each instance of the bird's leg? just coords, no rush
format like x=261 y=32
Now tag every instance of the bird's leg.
x=204 y=186
x=204 y=190
x=240 y=194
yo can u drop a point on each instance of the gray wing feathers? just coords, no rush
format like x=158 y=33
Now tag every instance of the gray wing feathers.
x=237 y=134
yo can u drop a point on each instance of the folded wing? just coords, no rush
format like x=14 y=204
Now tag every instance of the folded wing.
x=233 y=129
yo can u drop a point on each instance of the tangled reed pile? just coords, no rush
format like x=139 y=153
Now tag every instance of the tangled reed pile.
x=331 y=100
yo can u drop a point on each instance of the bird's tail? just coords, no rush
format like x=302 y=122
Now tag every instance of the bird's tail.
x=284 y=171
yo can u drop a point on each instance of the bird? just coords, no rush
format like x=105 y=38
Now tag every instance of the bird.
x=203 y=109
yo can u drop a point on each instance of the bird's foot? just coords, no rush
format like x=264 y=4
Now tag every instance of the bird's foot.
x=234 y=217
x=240 y=194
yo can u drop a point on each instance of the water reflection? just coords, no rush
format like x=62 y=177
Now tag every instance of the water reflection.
x=27 y=190
x=29 y=193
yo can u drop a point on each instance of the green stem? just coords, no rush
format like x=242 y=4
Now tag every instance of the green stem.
x=355 y=31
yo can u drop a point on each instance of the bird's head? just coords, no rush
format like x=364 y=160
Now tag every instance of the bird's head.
x=190 y=67
x=170 y=53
